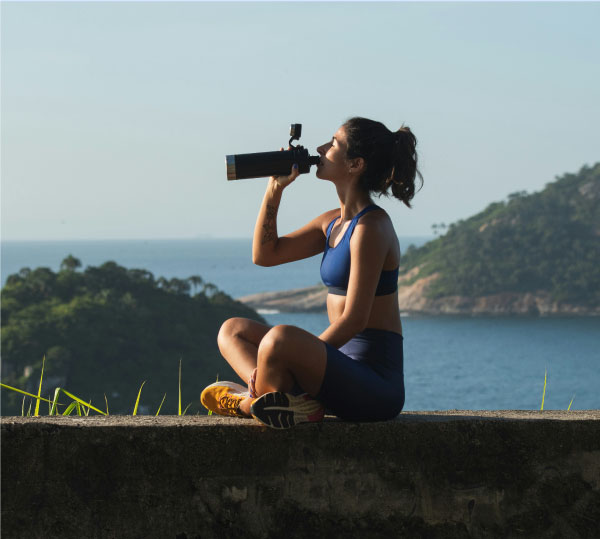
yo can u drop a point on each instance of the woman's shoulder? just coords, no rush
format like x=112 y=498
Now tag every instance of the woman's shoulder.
x=378 y=215
x=335 y=212
x=378 y=222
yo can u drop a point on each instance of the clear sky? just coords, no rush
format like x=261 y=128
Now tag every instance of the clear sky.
x=116 y=117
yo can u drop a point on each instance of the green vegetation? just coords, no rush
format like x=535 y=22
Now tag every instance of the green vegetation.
x=544 y=392
x=105 y=329
x=547 y=241
x=77 y=403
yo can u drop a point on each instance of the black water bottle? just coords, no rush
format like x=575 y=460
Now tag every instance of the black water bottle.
x=264 y=164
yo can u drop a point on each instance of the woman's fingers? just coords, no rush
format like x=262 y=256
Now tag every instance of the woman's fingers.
x=284 y=181
x=251 y=384
x=294 y=173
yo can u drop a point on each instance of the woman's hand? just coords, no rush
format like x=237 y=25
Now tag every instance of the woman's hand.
x=284 y=181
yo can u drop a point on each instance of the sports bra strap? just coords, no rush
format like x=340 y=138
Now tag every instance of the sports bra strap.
x=358 y=216
x=352 y=224
x=329 y=228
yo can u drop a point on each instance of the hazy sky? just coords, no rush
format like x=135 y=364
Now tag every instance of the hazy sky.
x=116 y=117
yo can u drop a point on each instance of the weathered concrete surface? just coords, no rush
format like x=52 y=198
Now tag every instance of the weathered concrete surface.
x=428 y=474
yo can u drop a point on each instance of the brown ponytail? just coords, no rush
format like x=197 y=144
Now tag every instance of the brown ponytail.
x=390 y=158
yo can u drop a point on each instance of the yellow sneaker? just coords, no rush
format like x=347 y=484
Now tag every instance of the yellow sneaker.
x=224 y=398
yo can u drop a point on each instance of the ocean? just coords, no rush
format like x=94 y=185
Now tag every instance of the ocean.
x=482 y=363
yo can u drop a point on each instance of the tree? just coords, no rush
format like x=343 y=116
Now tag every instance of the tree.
x=195 y=282
x=209 y=289
x=438 y=228
x=70 y=263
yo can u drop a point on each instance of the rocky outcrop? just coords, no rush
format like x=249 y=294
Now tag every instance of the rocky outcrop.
x=311 y=299
x=413 y=299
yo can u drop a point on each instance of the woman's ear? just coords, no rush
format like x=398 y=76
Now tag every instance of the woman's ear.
x=357 y=166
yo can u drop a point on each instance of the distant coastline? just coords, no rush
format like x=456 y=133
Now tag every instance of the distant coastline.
x=413 y=300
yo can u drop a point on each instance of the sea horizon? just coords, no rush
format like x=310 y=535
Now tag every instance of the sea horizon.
x=220 y=261
x=178 y=238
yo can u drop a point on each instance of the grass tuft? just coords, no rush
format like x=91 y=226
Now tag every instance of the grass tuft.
x=53 y=410
x=79 y=401
x=179 y=409
x=39 y=394
x=161 y=403
x=544 y=392
x=137 y=401
x=24 y=392
x=70 y=408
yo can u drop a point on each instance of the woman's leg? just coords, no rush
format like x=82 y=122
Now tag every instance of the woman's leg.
x=238 y=341
x=287 y=354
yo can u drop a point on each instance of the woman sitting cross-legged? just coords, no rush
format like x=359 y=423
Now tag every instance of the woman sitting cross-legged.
x=354 y=369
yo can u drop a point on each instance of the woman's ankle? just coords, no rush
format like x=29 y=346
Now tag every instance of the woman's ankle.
x=244 y=406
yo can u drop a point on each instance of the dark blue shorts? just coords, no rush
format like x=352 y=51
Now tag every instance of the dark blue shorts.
x=364 y=379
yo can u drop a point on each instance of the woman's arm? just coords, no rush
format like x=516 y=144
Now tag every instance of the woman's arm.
x=268 y=249
x=265 y=229
x=368 y=250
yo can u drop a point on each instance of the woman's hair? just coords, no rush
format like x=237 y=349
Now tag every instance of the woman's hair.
x=390 y=158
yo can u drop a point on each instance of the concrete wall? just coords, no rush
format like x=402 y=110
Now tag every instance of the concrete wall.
x=429 y=474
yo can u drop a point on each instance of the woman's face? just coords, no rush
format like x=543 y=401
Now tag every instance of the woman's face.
x=334 y=164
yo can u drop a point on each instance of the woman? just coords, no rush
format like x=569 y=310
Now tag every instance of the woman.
x=354 y=369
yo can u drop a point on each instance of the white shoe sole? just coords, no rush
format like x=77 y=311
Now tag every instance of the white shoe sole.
x=236 y=388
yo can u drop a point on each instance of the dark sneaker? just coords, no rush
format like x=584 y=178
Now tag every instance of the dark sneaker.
x=280 y=410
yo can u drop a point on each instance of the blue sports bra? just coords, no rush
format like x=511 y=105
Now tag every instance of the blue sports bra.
x=335 y=265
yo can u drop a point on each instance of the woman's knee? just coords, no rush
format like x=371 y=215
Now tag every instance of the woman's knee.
x=241 y=328
x=229 y=329
x=273 y=345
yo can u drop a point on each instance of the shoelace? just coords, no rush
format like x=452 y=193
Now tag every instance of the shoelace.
x=227 y=402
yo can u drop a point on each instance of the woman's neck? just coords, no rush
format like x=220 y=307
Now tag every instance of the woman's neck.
x=352 y=202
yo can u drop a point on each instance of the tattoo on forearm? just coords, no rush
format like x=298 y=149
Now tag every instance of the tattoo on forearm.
x=269 y=226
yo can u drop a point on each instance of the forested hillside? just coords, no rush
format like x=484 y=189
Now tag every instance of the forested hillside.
x=106 y=329
x=545 y=242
